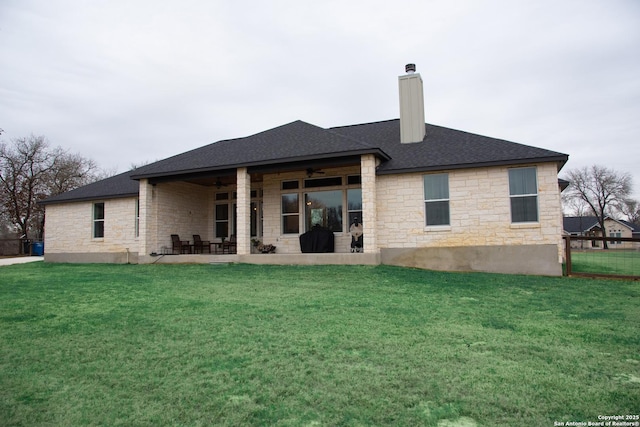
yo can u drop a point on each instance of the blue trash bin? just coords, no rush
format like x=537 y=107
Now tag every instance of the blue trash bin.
x=37 y=248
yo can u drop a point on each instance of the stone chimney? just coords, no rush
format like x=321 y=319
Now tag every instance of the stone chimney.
x=412 y=127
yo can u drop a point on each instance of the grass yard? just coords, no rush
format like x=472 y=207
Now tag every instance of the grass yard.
x=312 y=346
x=613 y=261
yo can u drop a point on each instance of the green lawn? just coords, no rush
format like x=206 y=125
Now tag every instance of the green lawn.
x=197 y=345
x=613 y=261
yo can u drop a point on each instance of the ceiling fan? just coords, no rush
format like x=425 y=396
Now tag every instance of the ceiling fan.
x=219 y=183
x=312 y=171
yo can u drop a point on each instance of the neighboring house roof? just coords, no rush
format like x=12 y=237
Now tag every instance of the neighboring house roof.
x=579 y=224
x=299 y=142
x=635 y=229
x=582 y=224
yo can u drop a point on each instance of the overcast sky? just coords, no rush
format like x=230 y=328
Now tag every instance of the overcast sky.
x=127 y=82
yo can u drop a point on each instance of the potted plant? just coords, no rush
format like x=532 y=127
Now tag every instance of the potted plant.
x=267 y=249
x=255 y=243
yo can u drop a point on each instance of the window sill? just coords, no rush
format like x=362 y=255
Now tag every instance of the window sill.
x=521 y=225
x=437 y=228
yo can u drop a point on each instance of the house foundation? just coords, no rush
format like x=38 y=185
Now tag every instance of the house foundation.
x=525 y=259
x=267 y=259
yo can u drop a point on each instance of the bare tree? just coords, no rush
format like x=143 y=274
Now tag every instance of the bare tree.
x=574 y=206
x=601 y=188
x=631 y=209
x=30 y=171
x=71 y=171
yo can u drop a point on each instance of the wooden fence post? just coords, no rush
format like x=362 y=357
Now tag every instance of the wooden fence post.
x=567 y=255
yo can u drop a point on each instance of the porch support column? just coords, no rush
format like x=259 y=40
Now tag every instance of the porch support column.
x=147 y=241
x=369 y=207
x=243 y=237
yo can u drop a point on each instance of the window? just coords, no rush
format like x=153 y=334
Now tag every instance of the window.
x=323 y=182
x=290 y=185
x=290 y=214
x=256 y=218
x=354 y=180
x=614 y=234
x=436 y=199
x=523 y=191
x=137 y=225
x=324 y=208
x=332 y=202
x=98 y=220
x=222 y=220
x=354 y=205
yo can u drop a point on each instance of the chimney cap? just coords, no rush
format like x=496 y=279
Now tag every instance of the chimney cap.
x=410 y=68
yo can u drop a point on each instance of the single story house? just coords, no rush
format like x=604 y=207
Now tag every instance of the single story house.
x=589 y=226
x=426 y=196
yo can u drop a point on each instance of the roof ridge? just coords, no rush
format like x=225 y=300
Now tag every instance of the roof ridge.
x=364 y=124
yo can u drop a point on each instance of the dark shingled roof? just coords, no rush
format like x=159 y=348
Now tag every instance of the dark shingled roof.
x=444 y=148
x=298 y=141
x=113 y=187
x=579 y=224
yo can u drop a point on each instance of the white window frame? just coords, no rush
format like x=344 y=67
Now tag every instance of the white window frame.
x=289 y=214
x=137 y=224
x=427 y=201
x=96 y=221
x=613 y=235
x=523 y=195
x=302 y=191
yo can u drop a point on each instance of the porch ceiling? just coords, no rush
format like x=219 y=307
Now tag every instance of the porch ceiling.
x=226 y=177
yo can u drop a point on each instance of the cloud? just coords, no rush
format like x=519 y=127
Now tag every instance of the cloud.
x=127 y=82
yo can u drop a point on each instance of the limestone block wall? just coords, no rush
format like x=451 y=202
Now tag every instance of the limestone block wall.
x=69 y=227
x=182 y=209
x=148 y=218
x=480 y=212
x=369 y=203
x=479 y=206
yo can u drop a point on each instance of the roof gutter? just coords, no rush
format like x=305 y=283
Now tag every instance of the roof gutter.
x=87 y=198
x=560 y=160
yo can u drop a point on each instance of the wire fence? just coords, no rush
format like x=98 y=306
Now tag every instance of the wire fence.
x=587 y=256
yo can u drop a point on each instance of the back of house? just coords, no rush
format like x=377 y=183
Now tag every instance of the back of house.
x=421 y=195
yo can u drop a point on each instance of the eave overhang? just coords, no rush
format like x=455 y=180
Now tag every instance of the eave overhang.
x=263 y=166
x=559 y=160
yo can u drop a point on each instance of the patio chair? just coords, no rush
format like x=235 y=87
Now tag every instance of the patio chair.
x=180 y=246
x=230 y=246
x=199 y=245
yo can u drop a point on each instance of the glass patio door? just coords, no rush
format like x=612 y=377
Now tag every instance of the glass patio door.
x=324 y=208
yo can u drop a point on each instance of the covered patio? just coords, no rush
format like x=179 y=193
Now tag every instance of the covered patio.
x=235 y=212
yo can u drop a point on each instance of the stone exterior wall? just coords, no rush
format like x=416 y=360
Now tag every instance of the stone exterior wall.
x=369 y=203
x=480 y=214
x=69 y=227
x=184 y=209
x=480 y=231
x=479 y=207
